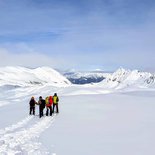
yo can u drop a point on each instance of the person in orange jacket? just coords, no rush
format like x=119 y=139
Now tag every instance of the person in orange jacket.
x=49 y=102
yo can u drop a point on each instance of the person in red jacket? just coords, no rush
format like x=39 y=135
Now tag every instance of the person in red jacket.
x=49 y=102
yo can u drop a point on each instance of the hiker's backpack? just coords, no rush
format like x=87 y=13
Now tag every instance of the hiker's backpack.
x=55 y=99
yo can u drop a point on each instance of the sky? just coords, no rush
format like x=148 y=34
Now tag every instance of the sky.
x=78 y=34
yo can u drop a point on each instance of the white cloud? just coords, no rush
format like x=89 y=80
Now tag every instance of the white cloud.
x=102 y=35
x=29 y=59
x=32 y=59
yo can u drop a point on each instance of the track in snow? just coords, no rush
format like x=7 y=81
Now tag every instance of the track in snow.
x=18 y=125
x=3 y=103
x=24 y=141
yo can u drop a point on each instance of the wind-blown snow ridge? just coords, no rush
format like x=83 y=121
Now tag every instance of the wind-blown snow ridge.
x=12 y=77
x=25 y=141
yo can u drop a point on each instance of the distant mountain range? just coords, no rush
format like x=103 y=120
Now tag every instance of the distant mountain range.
x=86 y=77
x=14 y=77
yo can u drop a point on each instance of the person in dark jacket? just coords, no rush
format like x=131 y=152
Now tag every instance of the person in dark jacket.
x=41 y=104
x=55 y=102
x=32 y=106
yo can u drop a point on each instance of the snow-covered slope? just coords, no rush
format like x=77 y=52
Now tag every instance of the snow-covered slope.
x=112 y=124
x=126 y=78
x=118 y=123
x=20 y=76
x=86 y=77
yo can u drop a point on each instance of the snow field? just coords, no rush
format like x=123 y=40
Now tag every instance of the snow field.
x=111 y=124
x=115 y=123
x=113 y=117
x=24 y=141
x=15 y=126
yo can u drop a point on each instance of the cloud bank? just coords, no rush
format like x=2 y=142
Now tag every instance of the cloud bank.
x=82 y=34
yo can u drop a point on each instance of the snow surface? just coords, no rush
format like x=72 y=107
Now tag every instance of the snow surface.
x=126 y=78
x=113 y=117
x=11 y=77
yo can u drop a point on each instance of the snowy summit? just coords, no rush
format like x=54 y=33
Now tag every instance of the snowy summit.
x=21 y=76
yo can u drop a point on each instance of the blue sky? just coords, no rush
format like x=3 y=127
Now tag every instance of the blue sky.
x=83 y=34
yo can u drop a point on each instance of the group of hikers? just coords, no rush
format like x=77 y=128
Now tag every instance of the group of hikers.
x=49 y=102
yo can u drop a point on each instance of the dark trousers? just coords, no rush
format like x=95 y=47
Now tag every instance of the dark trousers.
x=41 y=113
x=49 y=108
x=32 y=110
x=57 y=109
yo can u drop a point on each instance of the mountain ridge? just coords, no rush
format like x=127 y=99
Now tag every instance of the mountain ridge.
x=123 y=78
x=22 y=76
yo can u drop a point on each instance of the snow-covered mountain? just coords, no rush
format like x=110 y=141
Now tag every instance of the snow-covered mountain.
x=116 y=119
x=12 y=77
x=86 y=77
x=123 y=78
x=21 y=76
